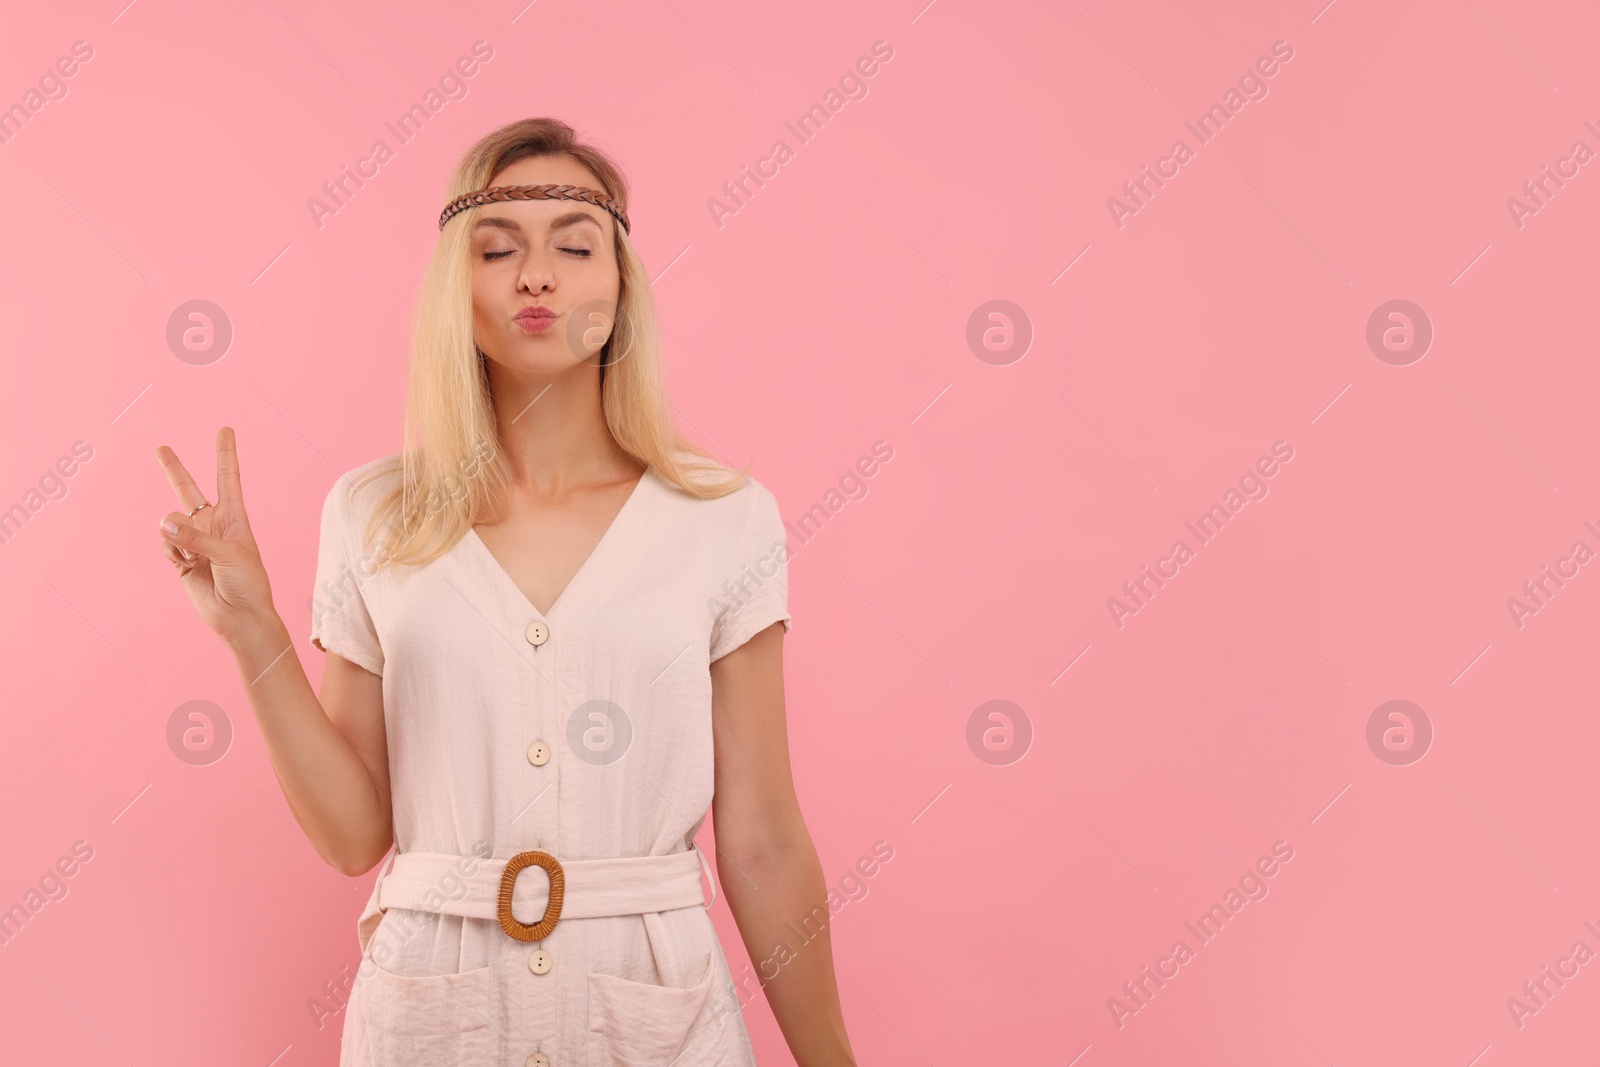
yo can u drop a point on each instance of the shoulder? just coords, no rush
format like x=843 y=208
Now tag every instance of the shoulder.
x=736 y=509
x=354 y=495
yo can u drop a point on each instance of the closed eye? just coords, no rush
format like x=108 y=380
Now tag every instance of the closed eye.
x=584 y=252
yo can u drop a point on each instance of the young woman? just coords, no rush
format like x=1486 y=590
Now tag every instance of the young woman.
x=554 y=637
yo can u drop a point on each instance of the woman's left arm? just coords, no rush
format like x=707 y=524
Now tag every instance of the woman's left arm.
x=766 y=862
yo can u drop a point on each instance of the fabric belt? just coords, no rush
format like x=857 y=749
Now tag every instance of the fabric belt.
x=436 y=882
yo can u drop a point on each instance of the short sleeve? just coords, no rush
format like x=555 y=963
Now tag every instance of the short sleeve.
x=756 y=592
x=340 y=619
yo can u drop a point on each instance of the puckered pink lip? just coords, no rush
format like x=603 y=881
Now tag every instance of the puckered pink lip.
x=535 y=323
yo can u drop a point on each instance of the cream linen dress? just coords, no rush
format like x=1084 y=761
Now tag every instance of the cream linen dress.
x=619 y=692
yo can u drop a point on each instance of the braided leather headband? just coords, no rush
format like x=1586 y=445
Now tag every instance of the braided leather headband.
x=534 y=192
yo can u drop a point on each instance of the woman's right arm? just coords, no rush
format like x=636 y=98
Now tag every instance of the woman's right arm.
x=331 y=756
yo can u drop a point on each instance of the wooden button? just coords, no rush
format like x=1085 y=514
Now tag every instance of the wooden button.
x=538 y=633
x=539 y=753
x=537 y=1059
x=540 y=962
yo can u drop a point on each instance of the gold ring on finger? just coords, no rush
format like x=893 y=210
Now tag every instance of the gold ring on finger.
x=203 y=504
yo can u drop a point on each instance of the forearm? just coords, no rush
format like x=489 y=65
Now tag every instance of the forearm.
x=327 y=786
x=779 y=900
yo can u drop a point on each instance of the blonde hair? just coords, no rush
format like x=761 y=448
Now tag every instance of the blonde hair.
x=451 y=468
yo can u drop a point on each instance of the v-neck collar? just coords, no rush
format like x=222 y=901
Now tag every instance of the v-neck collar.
x=503 y=576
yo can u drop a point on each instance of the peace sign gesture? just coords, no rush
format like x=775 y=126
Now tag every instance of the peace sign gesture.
x=211 y=546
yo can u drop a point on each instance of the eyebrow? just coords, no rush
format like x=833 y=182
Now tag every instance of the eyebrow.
x=571 y=217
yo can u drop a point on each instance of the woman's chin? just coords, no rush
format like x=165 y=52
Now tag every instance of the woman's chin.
x=540 y=357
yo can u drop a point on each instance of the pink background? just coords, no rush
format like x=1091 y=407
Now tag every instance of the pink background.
x=829 y=313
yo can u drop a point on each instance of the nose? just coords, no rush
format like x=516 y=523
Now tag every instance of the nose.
x=535 y=275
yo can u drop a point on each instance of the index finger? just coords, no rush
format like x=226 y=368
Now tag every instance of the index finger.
x=189 y=494
x=228 y=490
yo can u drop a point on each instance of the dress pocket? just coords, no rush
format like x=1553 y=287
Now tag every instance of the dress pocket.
x=637 y=1024
x=436 y=1021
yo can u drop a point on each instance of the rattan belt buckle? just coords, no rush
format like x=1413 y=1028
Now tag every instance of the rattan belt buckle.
x=552 y=910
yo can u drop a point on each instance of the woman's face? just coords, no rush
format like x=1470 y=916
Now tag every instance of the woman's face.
x=557 y=256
